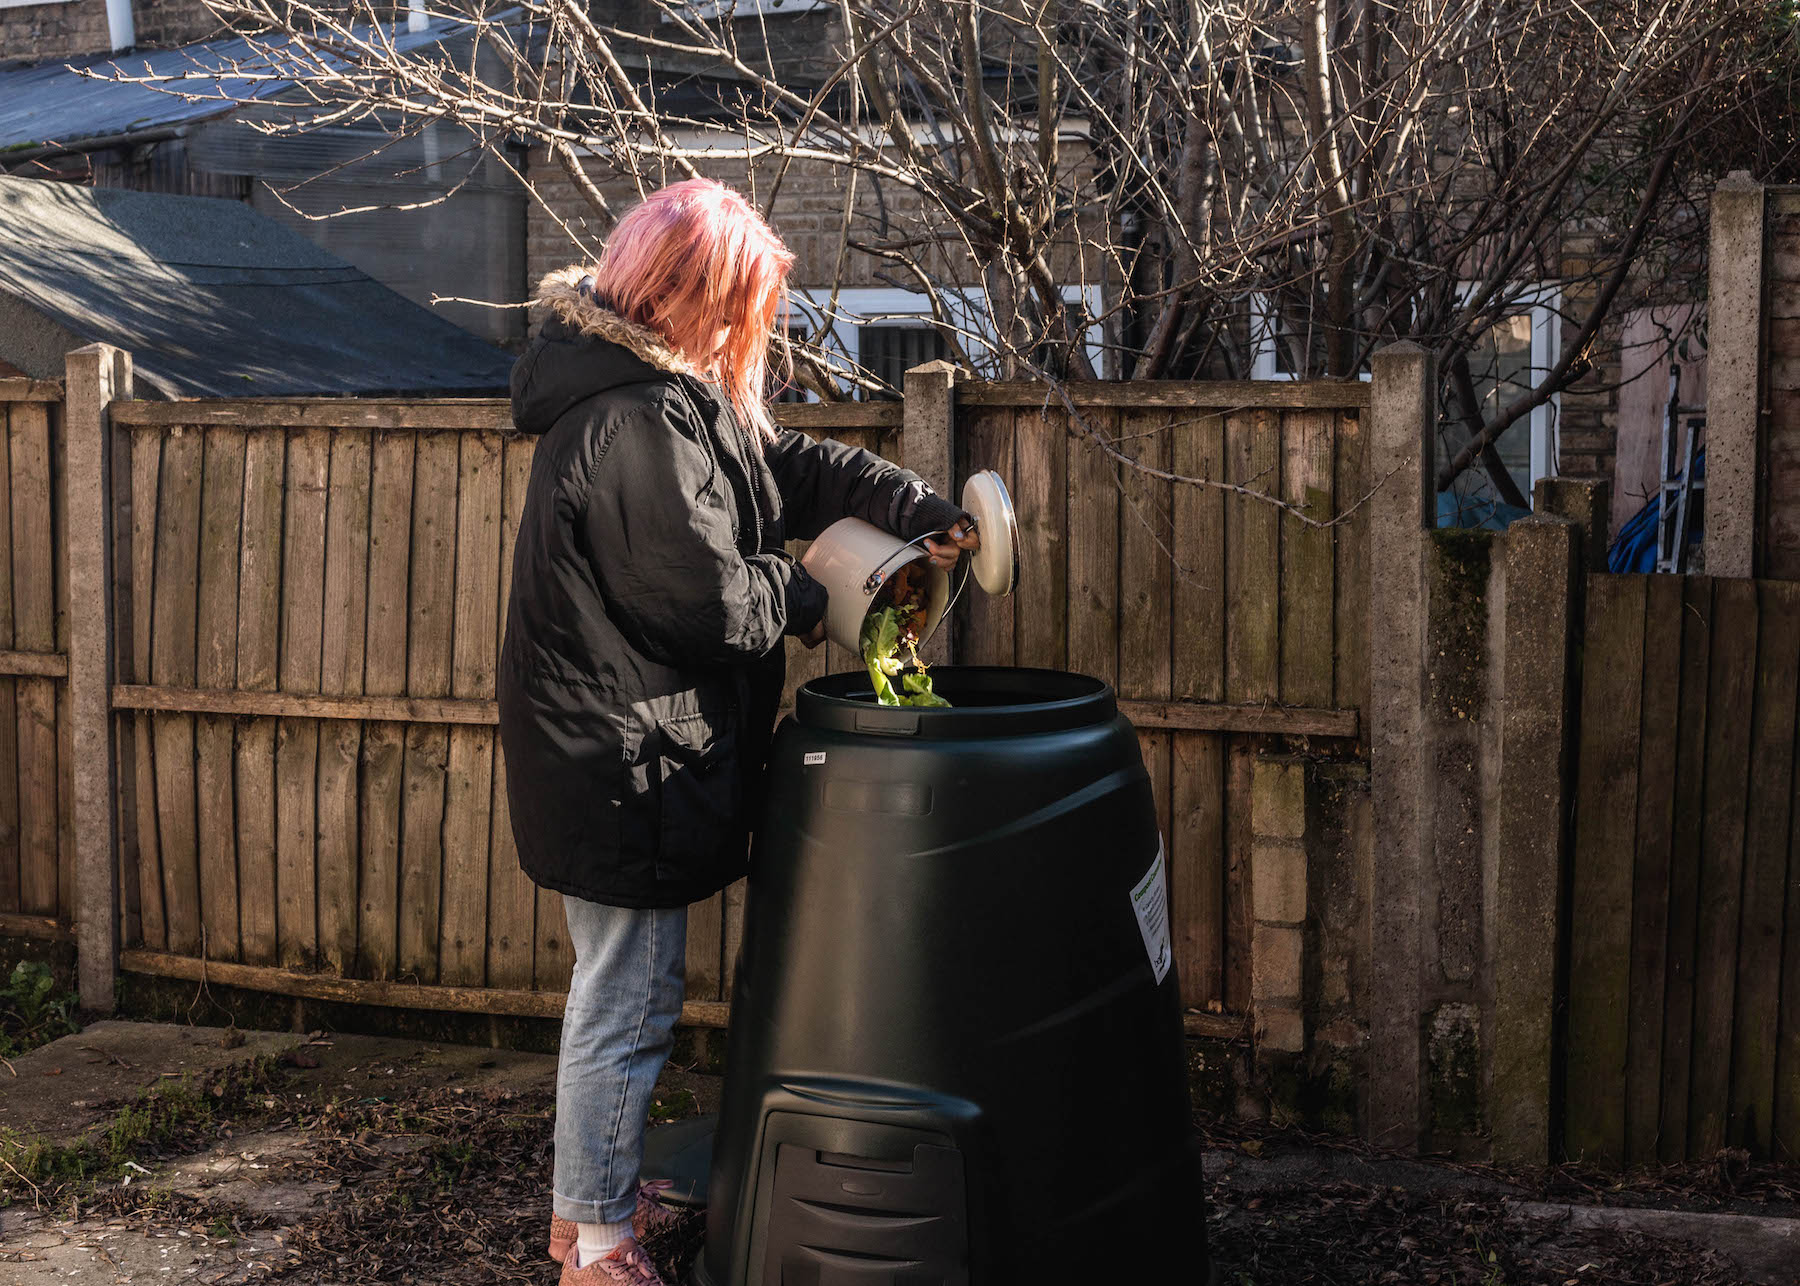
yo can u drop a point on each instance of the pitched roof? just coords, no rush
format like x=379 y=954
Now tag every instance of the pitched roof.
x=213 y=299
x=53 y=102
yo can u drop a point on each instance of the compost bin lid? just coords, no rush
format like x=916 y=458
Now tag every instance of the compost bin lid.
x=985 y=701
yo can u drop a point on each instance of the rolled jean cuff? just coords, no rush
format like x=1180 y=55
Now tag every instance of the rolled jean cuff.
x=617 y=1211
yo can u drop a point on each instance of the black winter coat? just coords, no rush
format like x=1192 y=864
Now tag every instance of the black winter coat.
x=643 y=661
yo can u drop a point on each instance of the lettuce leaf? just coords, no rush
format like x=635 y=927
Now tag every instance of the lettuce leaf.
x=881 y=635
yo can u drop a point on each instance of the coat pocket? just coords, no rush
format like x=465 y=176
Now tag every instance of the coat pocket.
x=698 y=788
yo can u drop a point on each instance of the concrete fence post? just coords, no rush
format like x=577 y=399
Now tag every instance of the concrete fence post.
x=1734 y=356
x=1402 y=437
x=927 y=446
x=1527 y=852
x=96 y=375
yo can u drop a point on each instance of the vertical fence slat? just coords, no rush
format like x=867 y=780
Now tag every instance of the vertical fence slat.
x=384 y=672
x=1307 y=572
x=1730 y=688
x=1146 y=572
x=1684 y=866
x=34 y=630
x=1198 y=451
x=984 y=633
x=1351 y=542
x=221 y=539
x=468 y=808
x=297 y=740
x=1253 y=559
x=1093 y=501
x=258 y=662
x=1787 y=1040
x=1659 y=717
x=511 y=910
x=146 y=469
x=1196 y=865
x=1040 y=604
x=172 y=658
x=341 y=664
x=9 y=710
x=1240 y=772
x=1768 y=813
x=1600 y=938
x=431 y=591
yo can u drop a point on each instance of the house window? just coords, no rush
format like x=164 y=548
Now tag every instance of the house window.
x=888 y=331
x=709 y=10
x=1506 y=364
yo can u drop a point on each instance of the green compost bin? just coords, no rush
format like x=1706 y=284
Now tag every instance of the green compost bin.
x=956 y=1048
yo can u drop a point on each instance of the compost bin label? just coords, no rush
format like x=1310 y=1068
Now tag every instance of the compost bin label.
x=813 y=758
x=1150 y=902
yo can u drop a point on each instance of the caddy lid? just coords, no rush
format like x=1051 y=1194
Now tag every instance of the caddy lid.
x=996 y=563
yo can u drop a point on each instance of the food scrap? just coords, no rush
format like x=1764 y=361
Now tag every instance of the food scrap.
x=891 y=626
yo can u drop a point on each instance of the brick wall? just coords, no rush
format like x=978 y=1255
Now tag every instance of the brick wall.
x=37 y=32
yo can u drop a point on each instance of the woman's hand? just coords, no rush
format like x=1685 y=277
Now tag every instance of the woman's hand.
x=944 y=553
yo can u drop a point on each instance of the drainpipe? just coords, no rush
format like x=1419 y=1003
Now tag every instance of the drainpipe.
x=119 y=24
x=416 y=17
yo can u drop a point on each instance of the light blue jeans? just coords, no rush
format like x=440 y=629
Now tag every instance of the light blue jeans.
x=624 y=998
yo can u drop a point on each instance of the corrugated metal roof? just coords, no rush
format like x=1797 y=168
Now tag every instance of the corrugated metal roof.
x=213 y=299
x=49 y=103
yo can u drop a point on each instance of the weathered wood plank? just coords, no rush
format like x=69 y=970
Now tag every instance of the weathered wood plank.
x=431 y=590
x=19 y=389
x=172 y=660
x=1730 y=688
x=825 y=417
x=146 y=467
x=1605 y=839
x=1198 y=451
x=258 y=670
x=1660 y=712
x=1308 y=597
x=37 y=665
x=736 y=904
x=1768 y=815
x=706 y=948
x=1196 y=865
x=390 y=549
x=984 y=626
x=1240 y=774
x=1253 y=559
x=1686 y=838
x=1351 y=545
x=221 y=540
x=1093 y=549
x=1145 y=568
x=512 y=910
x=433 y=710
x=297 y=740
x=1040 y=503
x=555 y=957
x=9 y=711
x=341 y=658
x=486 y=414
x=1221 y=395
x=468 y=818
x=1787 y=1037
x=34 y=630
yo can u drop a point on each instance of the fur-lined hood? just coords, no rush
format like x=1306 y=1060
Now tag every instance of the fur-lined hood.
x=562 y=366
x=560 y=296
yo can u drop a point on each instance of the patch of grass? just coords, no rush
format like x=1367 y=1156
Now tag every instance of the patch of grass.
x=673 y=1106
x=33 y=1010
x=172 y=1116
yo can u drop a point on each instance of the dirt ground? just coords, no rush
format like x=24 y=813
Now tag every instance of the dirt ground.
x=345 y=1160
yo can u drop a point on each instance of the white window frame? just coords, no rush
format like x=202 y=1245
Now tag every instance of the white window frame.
x=883 y=306
x=28 y=4
x=710 y=10
x=1544 y=302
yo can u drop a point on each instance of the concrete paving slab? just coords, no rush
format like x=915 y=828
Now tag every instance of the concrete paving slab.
x=36 y=1250
x=71 y=1084
x=1765 y=1250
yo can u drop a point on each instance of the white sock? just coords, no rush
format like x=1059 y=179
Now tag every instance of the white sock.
x=594 y=1240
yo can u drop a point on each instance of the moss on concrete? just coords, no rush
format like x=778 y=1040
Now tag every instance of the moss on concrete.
x=1456 y=645
x=1453 y=1055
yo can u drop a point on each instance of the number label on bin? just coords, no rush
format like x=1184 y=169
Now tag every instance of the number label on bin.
x=1150 y=902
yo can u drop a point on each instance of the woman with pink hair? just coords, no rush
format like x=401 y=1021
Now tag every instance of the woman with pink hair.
x=643 y=660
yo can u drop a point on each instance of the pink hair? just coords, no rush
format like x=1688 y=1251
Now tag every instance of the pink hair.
x=693 y=257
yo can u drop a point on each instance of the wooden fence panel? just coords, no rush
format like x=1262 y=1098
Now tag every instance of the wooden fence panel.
x=343 y=570
x=1683 y=906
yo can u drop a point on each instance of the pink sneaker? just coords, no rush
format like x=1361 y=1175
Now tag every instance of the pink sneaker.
x=650 y=1217
x=625 y=1266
